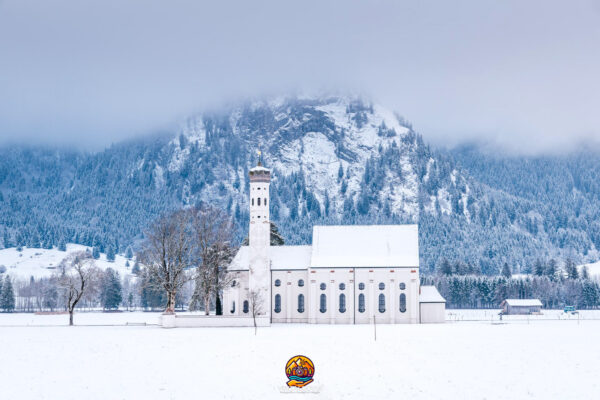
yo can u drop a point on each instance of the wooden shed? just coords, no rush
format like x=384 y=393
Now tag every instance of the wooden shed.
x=521 y=306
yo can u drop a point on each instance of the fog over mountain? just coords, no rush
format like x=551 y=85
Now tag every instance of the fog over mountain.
x=519 y=75
x=335 y=160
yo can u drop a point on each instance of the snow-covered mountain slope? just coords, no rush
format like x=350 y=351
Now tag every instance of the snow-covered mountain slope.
x=329 y=141
x=335 y=160
x=41 y=263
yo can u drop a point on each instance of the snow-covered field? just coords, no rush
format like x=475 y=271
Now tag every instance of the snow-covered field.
x=545 y=359
x=42 y=262
x=593 y=268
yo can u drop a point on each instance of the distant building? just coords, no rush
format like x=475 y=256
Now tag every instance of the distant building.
x=349 y=275
x=521 y=306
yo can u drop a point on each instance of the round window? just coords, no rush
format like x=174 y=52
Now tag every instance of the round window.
x=381 y=285
x=277 y=282
x=323 y=286
x=342 y=286
x=402 y=285
x=361 y=286
x=301 y=282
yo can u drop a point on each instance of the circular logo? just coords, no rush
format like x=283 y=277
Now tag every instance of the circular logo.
x=300 y=371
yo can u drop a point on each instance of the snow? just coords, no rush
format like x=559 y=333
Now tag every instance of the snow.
x=523 y=302
x=593 y=269
x=365 y=246
x=429 y=294
x=42 y=262
x=282 y=257
x=461 y=360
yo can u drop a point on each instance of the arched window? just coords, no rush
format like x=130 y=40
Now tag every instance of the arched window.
x=259 y=201
x=300 y=303
x=277 y=282
x=361 y=286
x=342 y=303
x=402 y=302
x=361 y=303
x=381 y=303
x=265 y=201
x=342 y=286
x=277 y=303
x=253 y=201
x=232 y=307
x=323 y=286
x=246 y=307
x=381 y=285
x=301 y=282
x=402 y=285
x=323 y=307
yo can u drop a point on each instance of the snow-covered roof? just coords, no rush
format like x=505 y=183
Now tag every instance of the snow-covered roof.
x=260 y=168
x=365 y=246
x=282 y=257
x=430 y=294
x=523 y=302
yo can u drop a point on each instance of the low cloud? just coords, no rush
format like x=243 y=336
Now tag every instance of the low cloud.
x=519 y=74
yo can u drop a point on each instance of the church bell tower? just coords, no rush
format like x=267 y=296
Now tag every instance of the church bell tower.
x=259 y=236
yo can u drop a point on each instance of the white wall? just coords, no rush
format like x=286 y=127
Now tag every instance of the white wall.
x=236 y=294
x=432 y=313
x=289 y=290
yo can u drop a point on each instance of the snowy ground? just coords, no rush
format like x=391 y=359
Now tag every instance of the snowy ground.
x=42 y=262
x=544 y=359
x=593 y=268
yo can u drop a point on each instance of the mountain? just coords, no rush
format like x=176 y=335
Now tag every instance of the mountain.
x=335 y=160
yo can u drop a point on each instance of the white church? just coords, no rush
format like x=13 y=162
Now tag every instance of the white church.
x=349 y=275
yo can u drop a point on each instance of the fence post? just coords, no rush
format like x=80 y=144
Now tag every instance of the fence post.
x=375 y=327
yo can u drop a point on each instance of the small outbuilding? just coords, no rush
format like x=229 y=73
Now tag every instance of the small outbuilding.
x=432 y=306
x=521 y=306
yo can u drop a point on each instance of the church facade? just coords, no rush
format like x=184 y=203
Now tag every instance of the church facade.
x=355 y=274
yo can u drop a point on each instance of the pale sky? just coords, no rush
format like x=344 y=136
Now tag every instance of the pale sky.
x=521 y=74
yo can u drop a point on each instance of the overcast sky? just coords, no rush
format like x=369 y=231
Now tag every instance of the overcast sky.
x=522 y=74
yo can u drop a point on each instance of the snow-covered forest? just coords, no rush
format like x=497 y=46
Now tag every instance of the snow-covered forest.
x=335 y=160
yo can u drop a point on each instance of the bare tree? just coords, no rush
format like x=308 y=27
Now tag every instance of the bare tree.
x=256 y=306
x=77 y=273
x=213 y=233
x=166 y=253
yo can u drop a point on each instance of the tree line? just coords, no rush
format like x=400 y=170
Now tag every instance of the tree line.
x=555 y=285
x=182 y=263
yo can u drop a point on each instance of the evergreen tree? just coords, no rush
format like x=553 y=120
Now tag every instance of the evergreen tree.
x=538 y=268
x=585 y=274
x=111 y=292
x=110 y=254
x=7 y=297
x=136 y=269
x=445 y=267
x=506 y=271
x=571 y=269
x=129 y=253
x=6 y=240
x=96 y=252
x=551 y=270
x=62 y=246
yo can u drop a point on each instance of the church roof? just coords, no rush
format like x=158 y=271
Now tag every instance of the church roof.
x=365 y=246
x=429 y=294
x=282 y=257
